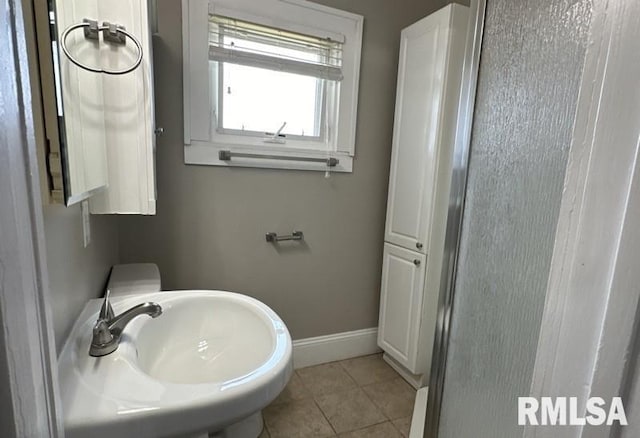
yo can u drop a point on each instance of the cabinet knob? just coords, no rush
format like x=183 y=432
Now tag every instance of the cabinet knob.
x=416 y=262
x=418 y=245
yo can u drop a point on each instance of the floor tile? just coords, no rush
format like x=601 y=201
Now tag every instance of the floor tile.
x=326 y=378
x=403 y=425
x=349 y=410
x=369 y=369
x=384 y=430
x=295 y=390
x=395 y=398
x=296 y=419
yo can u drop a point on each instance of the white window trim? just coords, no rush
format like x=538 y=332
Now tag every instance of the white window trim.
x=202 y=145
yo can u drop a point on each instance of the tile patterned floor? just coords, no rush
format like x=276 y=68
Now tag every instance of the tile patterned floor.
x=356 y=398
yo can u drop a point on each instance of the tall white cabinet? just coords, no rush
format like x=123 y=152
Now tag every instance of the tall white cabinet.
x=426 y=115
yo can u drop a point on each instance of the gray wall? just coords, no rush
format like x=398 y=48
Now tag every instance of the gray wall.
x=211 y=221
x=532 y=59
x=76 y=274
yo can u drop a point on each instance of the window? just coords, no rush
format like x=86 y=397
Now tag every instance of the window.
x=278 y=87
x=273 y=84
x=294 y=103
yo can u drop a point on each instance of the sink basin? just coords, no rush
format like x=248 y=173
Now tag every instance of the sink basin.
x=207 y=339
x=212 y=358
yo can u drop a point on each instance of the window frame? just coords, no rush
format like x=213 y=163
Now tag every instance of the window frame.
x=203 y=139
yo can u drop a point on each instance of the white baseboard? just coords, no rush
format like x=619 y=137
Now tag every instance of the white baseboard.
x=338 y=346
x=419 y=413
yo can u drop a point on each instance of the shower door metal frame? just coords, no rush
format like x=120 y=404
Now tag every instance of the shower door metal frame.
x=455 y=216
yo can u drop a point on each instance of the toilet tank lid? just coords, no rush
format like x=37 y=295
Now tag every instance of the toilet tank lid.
x=134 y=278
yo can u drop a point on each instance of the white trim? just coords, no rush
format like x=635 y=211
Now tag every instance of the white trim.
x=419 y=413
x=585 y=347
x=338 y=346
x=325 y=9
x=186 y=73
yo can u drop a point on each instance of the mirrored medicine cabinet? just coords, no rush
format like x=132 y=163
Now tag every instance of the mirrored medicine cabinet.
x=95 y=60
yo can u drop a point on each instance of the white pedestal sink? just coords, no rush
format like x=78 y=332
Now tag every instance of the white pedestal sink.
x=209 y=361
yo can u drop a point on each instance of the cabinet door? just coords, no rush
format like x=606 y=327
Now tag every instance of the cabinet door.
x=421 y=83
x=129 y=118
x=401 y=304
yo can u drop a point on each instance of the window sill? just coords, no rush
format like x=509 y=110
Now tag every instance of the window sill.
x=202 y=153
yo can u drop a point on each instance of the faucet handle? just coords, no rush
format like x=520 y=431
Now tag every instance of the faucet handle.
x=101 y=333
x=103 y=341
x=106 y=311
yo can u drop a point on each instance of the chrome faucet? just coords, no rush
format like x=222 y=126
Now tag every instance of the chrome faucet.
x=109 y=327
